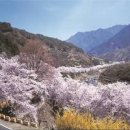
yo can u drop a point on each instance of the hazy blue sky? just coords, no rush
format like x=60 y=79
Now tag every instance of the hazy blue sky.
x=63 y=18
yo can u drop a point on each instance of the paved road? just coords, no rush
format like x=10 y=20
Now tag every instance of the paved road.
x=3 y=128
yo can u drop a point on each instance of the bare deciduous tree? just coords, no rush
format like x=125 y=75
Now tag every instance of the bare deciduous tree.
x=35 y=55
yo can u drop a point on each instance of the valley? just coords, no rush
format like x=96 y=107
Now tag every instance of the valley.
x=64 y=65
x=20 y=84
x=45 y=80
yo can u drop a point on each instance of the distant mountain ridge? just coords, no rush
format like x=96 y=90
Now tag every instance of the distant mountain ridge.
x=116 y=48
x=89 y=40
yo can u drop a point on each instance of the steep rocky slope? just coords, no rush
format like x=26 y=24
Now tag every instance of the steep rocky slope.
x=64 y=54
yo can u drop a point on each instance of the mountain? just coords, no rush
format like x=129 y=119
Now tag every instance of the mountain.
x=91 y=39
x=116 y=48
x=118 y=55
x=64 y=53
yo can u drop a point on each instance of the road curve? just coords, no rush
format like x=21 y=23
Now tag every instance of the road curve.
x=4 y=127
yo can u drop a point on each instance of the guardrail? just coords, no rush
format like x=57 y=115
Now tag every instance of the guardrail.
x=5 y=103
x=17 y=120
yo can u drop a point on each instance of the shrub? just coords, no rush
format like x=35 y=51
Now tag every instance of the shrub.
x=8 y=45
x=0 y=67
x=5 y=27
x=36 y=98
x=72 y=120
x=7 y=108
x=96 y=61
